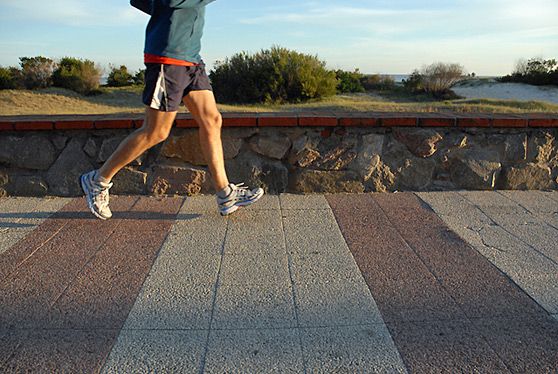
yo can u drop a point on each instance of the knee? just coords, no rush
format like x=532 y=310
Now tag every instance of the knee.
x=212 y=123
x=156 y=136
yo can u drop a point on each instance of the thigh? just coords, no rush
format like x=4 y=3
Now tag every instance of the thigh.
x=158 y=122
x=202 y=105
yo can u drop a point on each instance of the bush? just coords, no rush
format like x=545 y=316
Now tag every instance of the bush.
x=36 y=72
x=378 y=82
x=349 y=81
x=536 y=71
x=272 y=76
x=119 y=77
x=8 y=80
x=438 y=78
x=414 y=83
x=139 y=78
x=78 y=75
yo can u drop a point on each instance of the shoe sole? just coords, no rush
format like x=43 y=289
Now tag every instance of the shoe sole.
x=89 y=205
x=235 y=207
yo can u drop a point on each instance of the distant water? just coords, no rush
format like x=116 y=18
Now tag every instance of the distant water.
x=398 y=78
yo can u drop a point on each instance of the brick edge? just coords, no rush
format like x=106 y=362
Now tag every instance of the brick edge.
x=386 y=120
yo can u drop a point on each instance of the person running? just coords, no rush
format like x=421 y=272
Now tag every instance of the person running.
x=175 y=73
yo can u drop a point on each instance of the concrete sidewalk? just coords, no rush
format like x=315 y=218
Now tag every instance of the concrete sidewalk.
x=426 y=282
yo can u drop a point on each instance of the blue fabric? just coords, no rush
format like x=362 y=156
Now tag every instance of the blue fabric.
x=175 y=28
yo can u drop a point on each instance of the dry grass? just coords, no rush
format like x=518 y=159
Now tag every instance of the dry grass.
x=128 y=100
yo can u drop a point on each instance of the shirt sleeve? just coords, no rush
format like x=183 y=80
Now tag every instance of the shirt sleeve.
x=188 y=3
x=143 y=5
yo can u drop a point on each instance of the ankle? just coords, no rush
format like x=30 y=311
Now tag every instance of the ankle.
x=99 y=178
x=224 y=192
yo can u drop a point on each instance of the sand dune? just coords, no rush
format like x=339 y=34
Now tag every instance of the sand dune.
x=511 y=91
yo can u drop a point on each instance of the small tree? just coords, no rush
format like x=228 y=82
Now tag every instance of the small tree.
x=349 y=81
x=119 y=77
x=8 y=81
x=536 y=71
x=414 y=82
x=78 y=75
x=378 y=82
x=438 y=78
x=37 y=71
x=139 y=77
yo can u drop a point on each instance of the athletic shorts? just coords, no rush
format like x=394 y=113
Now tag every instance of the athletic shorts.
x=167 y=85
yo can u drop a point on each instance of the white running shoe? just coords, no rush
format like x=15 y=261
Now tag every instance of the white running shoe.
x=239 y=196
x=97 y=195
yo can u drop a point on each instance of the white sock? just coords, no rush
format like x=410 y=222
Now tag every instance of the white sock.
x=224 y=192
x=98 y=178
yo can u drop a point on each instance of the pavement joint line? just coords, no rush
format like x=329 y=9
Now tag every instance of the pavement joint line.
x=496 y=248
x=511 y=233
x=551 y=196
x=503 y=318
x=466 y=319
x=304 y=209
x=417 y=255
x=533 y=214
x=12 y=355
x=94 y=254
x=214 y=300
x=16 y=268
x=104 y=360
x=499 y=270
x=279 y=328
x=17 y=220
x=291 y=277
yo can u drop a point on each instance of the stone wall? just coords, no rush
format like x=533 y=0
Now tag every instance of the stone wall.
x=300 y=159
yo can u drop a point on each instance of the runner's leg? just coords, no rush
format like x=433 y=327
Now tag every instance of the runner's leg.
x=156 y=128
x=203 y=108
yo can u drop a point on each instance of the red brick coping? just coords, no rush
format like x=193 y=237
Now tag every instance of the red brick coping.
x=322 y=119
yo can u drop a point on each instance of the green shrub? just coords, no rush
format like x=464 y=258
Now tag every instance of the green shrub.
x=414 y=83
x=536 y=71
x=8 y=80
x=81 y=76
x=139 y=77
x=36 y=72
x=272 y=76
x=119 y=77
x=378 y=82
x=349 y=81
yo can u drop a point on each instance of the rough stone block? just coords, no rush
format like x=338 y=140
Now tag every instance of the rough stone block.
x=27 y=152
x=309 y=181
x=63 y=176
x=271 y=146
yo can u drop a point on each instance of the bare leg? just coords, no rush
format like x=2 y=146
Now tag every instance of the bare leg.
x=204 y=110
x=156 y=128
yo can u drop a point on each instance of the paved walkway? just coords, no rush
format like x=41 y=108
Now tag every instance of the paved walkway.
x=386 y=283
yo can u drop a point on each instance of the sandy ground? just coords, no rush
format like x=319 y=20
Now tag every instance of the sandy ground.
x=512 y=91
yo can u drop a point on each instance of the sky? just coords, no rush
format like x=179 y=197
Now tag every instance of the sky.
x=487 y=37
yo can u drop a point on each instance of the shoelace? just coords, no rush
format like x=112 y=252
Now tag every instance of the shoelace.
x=103 y=194
x=242 y=190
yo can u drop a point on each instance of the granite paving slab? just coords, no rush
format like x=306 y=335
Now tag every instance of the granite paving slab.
x=150 y=351
x=475 y=287
x=254 y=351
x=531 y=269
